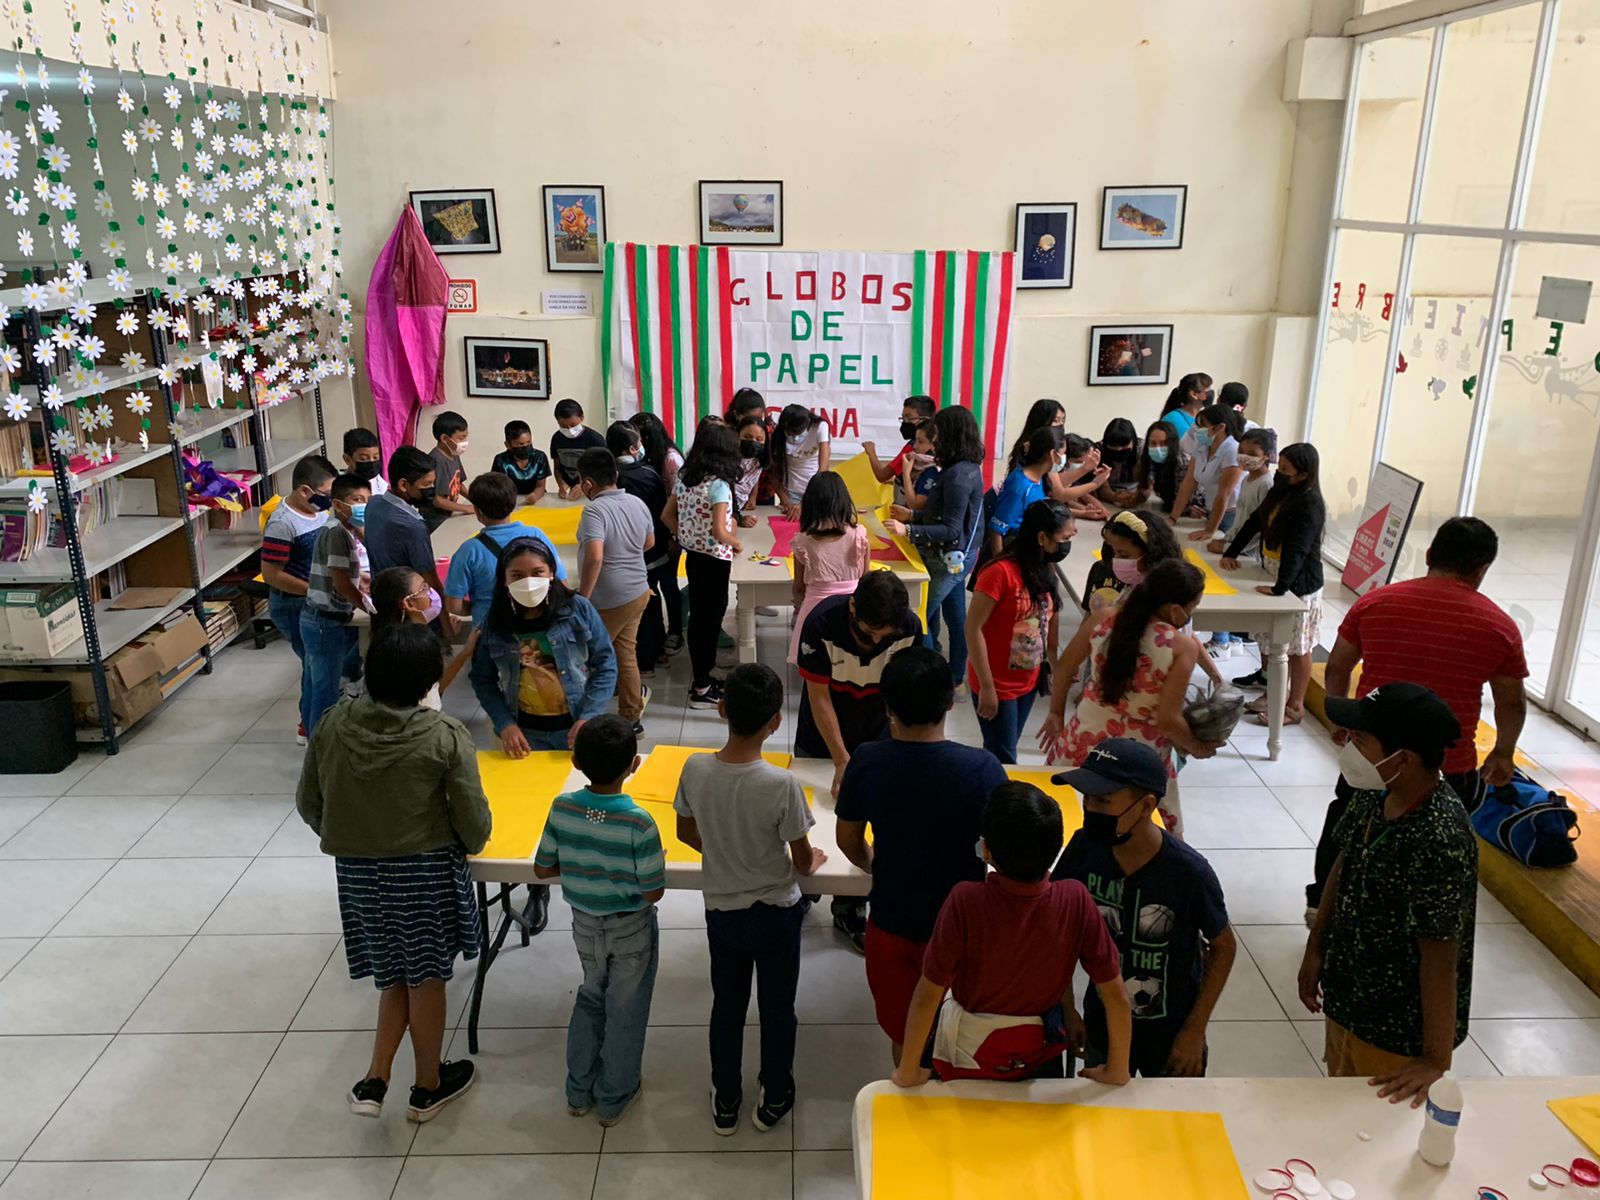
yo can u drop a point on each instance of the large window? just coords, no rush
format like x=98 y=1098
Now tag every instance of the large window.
x=1469 y=182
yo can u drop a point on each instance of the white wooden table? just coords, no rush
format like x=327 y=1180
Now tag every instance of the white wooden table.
x=1506 y=1131
x=1270 y=618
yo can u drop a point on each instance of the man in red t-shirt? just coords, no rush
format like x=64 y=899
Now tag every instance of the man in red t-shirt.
x=1007 y=948
x=1442 y=632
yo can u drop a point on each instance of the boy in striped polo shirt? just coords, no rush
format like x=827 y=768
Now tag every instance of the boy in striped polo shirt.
x=607 y=851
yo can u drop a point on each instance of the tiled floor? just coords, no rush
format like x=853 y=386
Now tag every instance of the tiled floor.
x=176 y=1019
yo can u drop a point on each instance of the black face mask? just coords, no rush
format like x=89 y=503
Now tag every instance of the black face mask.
x=908 y=430
x=425 y=497
x=521 y=453
x=366 y=470
x=321 y=501
x=1122 y=455
x=1056 y=555
x=1101 y=828
x=751 y=448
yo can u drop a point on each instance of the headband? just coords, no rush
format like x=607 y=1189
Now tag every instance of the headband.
x=1132 y=522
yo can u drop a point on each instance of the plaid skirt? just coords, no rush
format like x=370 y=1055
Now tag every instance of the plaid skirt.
x=405 y=919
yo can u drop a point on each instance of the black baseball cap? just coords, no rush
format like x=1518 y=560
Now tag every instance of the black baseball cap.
x=1406 y=716
x=1117 y=763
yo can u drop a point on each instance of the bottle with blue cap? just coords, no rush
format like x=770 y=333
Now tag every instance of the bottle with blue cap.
x=1437 y=1145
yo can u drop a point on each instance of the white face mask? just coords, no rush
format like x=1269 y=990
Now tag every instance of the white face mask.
x=529 y=593
x=1358 y=772
x=461 y=447
x=572 y=431
x=627 y=459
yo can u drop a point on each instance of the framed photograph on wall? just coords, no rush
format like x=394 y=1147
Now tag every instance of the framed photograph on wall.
x=741 y=212
x=1129 y=355
x=1045 y=241
x=1143 y=218
x=459 y=221
x=574 y=227
x=508 y=368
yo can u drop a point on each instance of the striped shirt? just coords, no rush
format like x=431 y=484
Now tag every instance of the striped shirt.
x=1440 y=633
x=607 y=849
x=336 y=550
x=288 y=539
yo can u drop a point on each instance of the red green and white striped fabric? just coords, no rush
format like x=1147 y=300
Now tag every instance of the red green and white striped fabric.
x=849 y=335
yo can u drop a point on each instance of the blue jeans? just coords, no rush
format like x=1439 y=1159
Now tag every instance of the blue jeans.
x=765 y=940
x=947 y=598
x=327 y=647
x=284 y=610
x=547 y=739
x=605 y=1038
x=1001 y=731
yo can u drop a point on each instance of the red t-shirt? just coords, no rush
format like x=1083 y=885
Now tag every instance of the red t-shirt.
x=1014 y=633
x=899 y=463
x=1010 y=948
x=1440 y=633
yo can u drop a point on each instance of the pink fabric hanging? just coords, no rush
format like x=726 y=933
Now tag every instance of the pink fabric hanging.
x=405 y=331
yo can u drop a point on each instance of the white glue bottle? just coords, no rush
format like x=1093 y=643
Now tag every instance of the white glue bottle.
x=1437 y=1145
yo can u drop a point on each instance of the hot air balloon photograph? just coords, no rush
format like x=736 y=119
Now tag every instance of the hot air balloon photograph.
x=741 y=212
x=1143 y=218
x=574 y=227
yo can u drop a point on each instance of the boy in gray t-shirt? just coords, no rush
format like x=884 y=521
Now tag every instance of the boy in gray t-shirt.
x=749 y=820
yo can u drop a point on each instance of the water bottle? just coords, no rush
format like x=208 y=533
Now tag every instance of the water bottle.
x=1437 y=1145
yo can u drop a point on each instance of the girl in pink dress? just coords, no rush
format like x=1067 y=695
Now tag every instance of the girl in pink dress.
x=830 y=551
x=1140 y=664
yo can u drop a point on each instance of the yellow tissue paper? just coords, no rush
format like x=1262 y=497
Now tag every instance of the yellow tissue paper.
x=657 y=779
x=1581 y=1114
x=520 y=791
x=1216 y=585
x=560 y=525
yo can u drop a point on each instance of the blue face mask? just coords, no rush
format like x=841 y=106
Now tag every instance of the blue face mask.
x=1158 y=454
x=358 y=514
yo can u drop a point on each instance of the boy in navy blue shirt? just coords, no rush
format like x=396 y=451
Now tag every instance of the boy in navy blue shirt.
x=1163 y=905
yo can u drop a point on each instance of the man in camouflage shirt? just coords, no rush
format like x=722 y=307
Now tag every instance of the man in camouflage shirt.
x=1390 y=951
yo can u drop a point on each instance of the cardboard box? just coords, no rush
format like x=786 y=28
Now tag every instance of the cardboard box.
x=39 y=622
x=133 y=679
x=176 y=642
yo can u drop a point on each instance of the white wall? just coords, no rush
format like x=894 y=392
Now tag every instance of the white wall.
x=895 y=125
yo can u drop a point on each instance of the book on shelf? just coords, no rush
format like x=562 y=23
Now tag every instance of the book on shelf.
x=23 y=532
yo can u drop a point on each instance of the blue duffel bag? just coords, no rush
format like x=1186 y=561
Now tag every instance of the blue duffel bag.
x=1529 y=822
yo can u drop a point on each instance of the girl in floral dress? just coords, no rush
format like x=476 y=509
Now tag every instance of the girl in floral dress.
x=1141 y=662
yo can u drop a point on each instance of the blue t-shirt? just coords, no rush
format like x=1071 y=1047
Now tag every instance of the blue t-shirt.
x=397 y=536
x=1016 y=493
x=1158 y=917
x=922 y=836
x=924 y=482
x=472 y=567
x=1180 y=421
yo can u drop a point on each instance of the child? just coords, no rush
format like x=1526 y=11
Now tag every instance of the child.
x=754 y=460
x=747 y=402
x=392 y=789
x=396 y=530
x=615 y=536
x=1005 y=949
x=1081 y=499
x=830 y=551
x=914 y=410
x=332 y=595
x=1258 y=455
x=526 y=467
x=1132 y=867
x=798 y=452
x=400 y=594
x=699 y=515
x=607 y=851
x=364 y=457
x=449 y=480
x=567 y=443
x=748 y=819
x=287 y=543
x=919 y=472
x=469 y=583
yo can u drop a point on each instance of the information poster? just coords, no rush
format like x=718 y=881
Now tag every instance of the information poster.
x=1385 y=520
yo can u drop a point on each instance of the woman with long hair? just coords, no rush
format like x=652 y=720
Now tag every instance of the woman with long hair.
x=700 y=516
x=1290 y=522
x=800 y=450
x=1159 y=474
x=1043 y=415
x=948 y=529
x=1186 y=400
x=661 y=453
x=1012 y=623
x=545 y=664
x=1140 y=662
x=1044 y=454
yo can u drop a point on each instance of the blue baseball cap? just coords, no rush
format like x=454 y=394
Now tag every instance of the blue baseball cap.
x=1118 y=763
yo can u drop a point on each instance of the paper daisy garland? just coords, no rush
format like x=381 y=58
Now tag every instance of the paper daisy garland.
x=37 y=500
x=17 y=406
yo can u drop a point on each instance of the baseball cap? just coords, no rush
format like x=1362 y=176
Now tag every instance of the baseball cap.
x=1117 y=763
x=1406 y=716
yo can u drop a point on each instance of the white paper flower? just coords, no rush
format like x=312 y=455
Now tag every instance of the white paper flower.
x=141 y=190
x=113 y=246
x=93 y=347
x=24 y=243
x=60 y=290
x=81 y=311
x=10 y=358
x=37 y=500
x=17 y=202
x=118 y=279
x=218 y=146
x=56 y=159
x=124 y=101
x=165 y=228
x=49 y=119
x=77 y=274
x=130 y=141
x=231 y=110
x=171 y=95
x=97 y=454
x=69 y=235
x=33 y=294
x=167 y=373
x=85 y=82
x=63 y=197
x=99 y=418
x=150 y=129
x=139 y=403
x=17 y=407
x=184 y=186
x=159 y=318
x=160 y=194
x=235 y=381
x=194 y=261
x=41 y=187
x=168 y=264
x=51 y=397
x=103 y=205
x=44 y=351
x=230 y=251
x=204 y=304
x=78 y=376
x=8 y=166
x=128 y=322
x=131 y=11
x=248 y=362
x=177 y=137
x=191 y=221
x=133 y=361
x=9 y=144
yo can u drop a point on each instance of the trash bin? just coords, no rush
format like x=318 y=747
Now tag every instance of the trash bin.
x=37 y=718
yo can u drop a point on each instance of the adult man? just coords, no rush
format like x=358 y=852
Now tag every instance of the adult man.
x=1163 y=905
x=1442 y=632
x=615 y=533
x=922 y=836
x=1390 y=952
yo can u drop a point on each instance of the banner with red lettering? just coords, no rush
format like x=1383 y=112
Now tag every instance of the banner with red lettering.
x=848 y=335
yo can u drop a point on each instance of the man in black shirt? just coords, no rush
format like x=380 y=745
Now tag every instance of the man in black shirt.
x=639 y=479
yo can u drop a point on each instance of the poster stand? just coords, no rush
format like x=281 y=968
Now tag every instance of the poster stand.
x=1385 y=521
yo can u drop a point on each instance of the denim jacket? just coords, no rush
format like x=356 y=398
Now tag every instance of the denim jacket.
x=583 y=654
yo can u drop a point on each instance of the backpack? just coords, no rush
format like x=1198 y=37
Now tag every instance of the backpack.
x=1529 y=822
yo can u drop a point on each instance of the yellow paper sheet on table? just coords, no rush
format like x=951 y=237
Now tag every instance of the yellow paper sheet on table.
x=656 y=781
x=520 y=791
x=1065 y=797
x=560 y=525
x=1216 y=585
x=944 y=1148
x=1581 y=1114
x=863 y=485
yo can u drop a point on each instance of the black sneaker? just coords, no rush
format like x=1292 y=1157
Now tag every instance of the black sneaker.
x=638 y=729
x=366 y=1098
x=1256 y=679
x=724 y=1120
x=768 y=1113
x=850 y=920
x=706 y=697
x=454 y=1079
